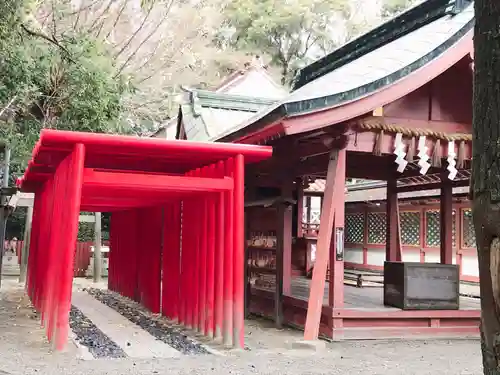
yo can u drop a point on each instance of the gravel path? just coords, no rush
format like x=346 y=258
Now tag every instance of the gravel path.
x=25 y=351
x=87 y=334
x=154 y=325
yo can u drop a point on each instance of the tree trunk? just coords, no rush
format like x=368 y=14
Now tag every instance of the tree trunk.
x=284 y=73
x=485 y=184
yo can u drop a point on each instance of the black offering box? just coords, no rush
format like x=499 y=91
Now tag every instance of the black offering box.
x=421 y=286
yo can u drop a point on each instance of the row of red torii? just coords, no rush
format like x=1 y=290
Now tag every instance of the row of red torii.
x=176 y=229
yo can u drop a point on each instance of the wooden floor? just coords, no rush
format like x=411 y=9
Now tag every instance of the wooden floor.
x=365 y=298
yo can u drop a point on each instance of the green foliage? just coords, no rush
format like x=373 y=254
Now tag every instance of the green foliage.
x=66 y=82
x=289 y=31
x=15 y=224
x=86 y=232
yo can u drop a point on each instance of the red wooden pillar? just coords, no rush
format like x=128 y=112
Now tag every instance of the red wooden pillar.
x=69 y=227
x=111 y=279
x=130 y=260
x=391 y=244
x=300 y=206
x=41 y=243
x=446 y=221
x=113 y=235
x=193 y=260
x=210 y=264
x=316 y=294
x=171 y=261
x=52 y=276
x=149 y=249
x=187 y=261
x=239 y=252
x=202 y=266
x=220 y=229
x=36 y=225
x=336 y=284
x=116 y=218
x=285 y=236
x=119 y=251
x=227 y=330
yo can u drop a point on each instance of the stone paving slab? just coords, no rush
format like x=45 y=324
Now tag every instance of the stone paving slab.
x=134 y=341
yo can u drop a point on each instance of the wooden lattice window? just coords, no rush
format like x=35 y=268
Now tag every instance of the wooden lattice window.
x=315 y=210
x=376 y=227
x=410 y=227
x=354 y=227
x=468 y=233
x=432 y=228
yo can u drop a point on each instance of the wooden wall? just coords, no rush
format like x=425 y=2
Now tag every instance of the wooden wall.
x=447 y=99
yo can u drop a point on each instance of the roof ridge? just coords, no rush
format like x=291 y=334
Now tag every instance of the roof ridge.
x=393 y=29
x=233 y=79
x=207 y=94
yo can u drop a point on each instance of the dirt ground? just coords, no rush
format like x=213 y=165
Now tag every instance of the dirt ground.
x=24 y=350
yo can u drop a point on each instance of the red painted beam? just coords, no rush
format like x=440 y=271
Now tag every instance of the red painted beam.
x=160 y=147
x=148 y=183
x=365 y=141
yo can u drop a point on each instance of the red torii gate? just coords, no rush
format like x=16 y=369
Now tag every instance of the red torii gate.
x=179 y=202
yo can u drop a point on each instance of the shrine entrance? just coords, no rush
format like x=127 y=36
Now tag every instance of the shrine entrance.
x=177 y=225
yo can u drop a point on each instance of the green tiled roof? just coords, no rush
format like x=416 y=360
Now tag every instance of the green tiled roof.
x=208 y=114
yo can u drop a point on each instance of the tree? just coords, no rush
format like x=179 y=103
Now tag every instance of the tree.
x=157 y=45
x=290 y=32
x=485 y=184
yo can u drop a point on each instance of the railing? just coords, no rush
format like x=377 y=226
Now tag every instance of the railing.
x=310 y=229
x=82 y=256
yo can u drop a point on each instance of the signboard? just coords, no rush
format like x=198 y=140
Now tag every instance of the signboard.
x=86 y=219
x=339 y=243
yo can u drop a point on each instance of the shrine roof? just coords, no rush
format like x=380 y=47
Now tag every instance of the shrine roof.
x=252 y=85
x=207 y=114
x=370 y=63
x=127 y=153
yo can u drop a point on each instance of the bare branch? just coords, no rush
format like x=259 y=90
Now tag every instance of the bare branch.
x=98 y=18
x=49 y=39
x=137 y=30
x=148 y=59
x=54 y=25
x=82 y=9
x=101 y=26
x=8 y=105
x=117 y=19
x=155 y=29
x=46 y=18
